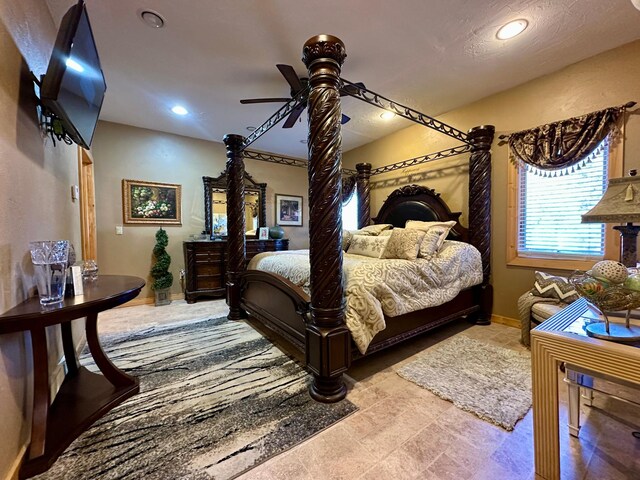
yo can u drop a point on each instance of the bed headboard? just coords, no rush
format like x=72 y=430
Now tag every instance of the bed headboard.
x=415 y=202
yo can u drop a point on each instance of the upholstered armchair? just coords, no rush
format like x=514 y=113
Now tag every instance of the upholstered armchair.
x=549 y=295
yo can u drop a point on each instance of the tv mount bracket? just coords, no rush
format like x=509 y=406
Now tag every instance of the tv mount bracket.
x=49 y=123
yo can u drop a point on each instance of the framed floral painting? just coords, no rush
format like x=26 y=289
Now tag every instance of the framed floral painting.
x=151 y=203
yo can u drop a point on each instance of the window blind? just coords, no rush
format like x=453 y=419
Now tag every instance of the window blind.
x=550 y=209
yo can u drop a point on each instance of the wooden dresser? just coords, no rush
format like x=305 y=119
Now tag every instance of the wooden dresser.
x=205 y=265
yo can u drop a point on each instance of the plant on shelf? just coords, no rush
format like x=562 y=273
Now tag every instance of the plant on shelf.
x=162 y=277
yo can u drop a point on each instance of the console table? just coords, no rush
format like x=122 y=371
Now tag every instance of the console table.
x=84 y=396
x=560 y=339
x=206 y=265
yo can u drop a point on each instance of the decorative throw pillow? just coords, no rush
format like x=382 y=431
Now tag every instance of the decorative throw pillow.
x=403 y=243
x=376 y=229
x=550 y=286
x=436 y=234
x=433 y=239
x=368 y=246
x=386 y=233
x=346 y=239
x=361 y=232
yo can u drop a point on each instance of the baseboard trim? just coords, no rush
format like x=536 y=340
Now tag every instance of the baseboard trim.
x=508 y=321
x=150 y=300
x=14 y=470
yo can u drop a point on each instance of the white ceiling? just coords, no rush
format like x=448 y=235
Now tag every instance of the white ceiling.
x=432 y=55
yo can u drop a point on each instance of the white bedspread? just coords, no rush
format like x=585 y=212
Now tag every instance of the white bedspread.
x=393 y=287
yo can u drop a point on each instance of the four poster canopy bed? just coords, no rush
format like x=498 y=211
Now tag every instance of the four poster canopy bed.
x=314 y=313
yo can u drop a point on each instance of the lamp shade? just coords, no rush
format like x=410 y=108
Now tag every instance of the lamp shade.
x=619 y=204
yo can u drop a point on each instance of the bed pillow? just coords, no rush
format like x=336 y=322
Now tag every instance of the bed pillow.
x=432 y=241
x=368 y=246
x=550 y=286
x=376 y=229
x=362 y=232
x=386 y=233
x=436 y=233
x=346 y=239
x=404 y=244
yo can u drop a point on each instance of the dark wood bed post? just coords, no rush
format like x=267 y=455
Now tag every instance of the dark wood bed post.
x=328 y=347
x=481 y=138
x=263 y=203
x=236 y=242
x=364 y=194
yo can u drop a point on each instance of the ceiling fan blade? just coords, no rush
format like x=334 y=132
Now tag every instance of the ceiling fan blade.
x=351 y=89
x=291 y=77
x=344 y=119
x=263 y=100
x=293 y=116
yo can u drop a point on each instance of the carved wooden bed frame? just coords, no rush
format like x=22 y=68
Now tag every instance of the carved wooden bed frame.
x=315 y=323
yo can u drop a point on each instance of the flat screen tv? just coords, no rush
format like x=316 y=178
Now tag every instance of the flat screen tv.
x=73 y=87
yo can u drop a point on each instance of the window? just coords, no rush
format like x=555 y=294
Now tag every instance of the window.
x=547 y=228
x=350 y=213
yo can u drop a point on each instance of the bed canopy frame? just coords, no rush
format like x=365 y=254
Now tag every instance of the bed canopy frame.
x=326 y=337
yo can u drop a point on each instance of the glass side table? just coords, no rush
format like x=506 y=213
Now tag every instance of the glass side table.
x=580 y=380
x=562 y=339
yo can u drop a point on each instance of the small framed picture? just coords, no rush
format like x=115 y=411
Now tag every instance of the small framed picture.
x=219 y=224
x=263 y=233
x=288 y=210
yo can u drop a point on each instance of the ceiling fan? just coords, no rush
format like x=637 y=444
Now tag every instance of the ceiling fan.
x=297 y=84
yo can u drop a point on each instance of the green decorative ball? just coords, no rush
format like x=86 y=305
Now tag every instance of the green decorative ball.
x=276 y=232
x=633 y=282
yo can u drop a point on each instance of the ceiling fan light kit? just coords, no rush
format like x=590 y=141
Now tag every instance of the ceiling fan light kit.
x=297 y=85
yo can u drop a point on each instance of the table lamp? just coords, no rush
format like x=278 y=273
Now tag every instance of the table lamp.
x=621 y=204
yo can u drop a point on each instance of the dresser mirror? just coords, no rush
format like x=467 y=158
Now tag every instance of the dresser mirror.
x=215 y=205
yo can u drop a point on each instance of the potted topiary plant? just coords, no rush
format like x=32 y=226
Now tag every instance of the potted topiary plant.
x=162 y=277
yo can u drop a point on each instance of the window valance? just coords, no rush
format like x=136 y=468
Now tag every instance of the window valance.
x=348 y=188
x=562 y=144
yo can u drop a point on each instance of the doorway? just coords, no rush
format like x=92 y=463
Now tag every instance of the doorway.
x=87 y=205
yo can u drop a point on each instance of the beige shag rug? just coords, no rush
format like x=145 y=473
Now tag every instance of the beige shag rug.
x=487 y=380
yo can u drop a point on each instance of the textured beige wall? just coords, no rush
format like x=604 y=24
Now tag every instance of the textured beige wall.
x=607 y=79
x=122 y=151
x=35 y=180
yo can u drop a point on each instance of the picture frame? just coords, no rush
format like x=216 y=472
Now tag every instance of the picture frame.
x=219 y=225
x=151 y=203
x=263 y=233
x=289 y=210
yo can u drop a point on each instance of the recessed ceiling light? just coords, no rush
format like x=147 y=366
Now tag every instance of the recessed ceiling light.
x=179 y=110
x=152 y=19
x=387 y=115
x=251 y=129
x=512 y=29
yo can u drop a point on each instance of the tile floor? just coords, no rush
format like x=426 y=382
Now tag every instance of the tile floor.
x=402 y=431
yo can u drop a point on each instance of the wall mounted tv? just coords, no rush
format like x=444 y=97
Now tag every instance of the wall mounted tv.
x=73 y=87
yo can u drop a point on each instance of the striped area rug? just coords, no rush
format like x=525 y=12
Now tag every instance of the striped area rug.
x=216 y=400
